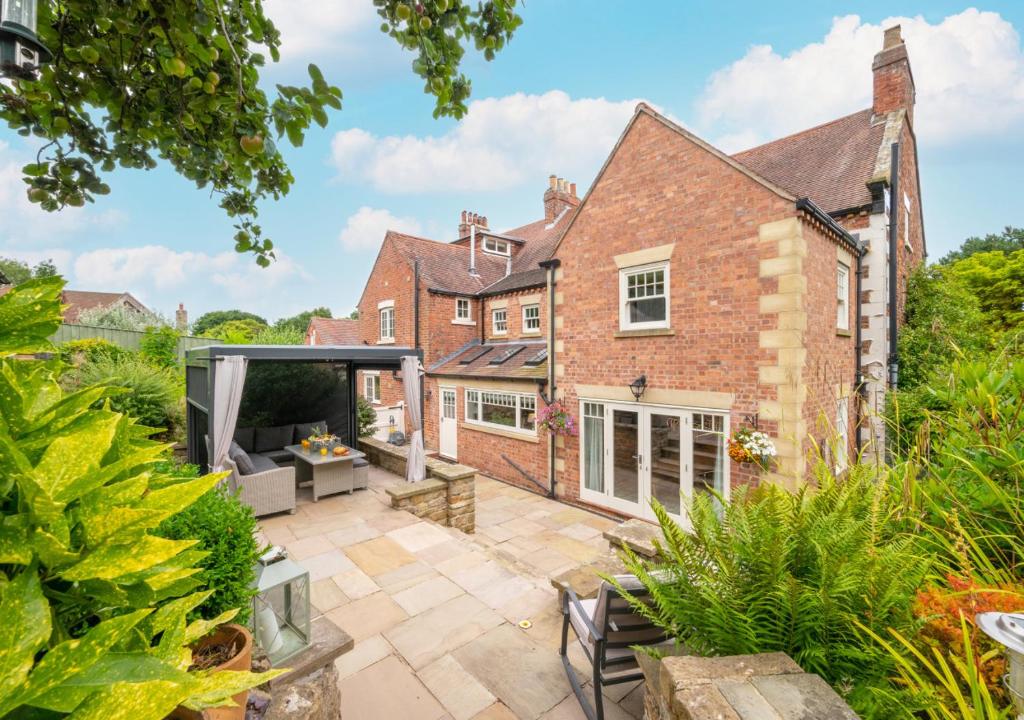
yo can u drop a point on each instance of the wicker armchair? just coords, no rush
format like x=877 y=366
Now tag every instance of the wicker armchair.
x=270 y=491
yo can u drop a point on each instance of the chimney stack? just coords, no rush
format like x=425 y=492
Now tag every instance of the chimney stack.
x=893 y=80
x=181 y=319
x=561 y=194
x=470 y=219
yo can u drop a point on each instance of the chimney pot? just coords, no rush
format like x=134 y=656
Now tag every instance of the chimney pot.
x=552 y=181
x=893 y=37
x=572 y=189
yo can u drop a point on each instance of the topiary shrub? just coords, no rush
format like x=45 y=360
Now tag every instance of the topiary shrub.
x=224 y=527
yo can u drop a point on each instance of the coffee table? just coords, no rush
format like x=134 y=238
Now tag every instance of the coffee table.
x=329 y=473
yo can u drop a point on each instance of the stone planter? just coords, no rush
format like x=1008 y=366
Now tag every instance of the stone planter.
x=241 y=640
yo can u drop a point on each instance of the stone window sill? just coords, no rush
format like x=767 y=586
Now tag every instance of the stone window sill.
x=386 y=342
x=844 y=333
x=647 y=332
x=512 y=434
x=463 y=322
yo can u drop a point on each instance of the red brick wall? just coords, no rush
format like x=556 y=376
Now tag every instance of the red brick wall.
x=661 y=188
x=439 y=336
x=831 y=357
x=484 y=450
x=908 y=184
x=515 y=315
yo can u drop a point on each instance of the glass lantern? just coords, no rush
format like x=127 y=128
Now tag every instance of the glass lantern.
x=1007 y=629
x=21 y=53
x=280 y=612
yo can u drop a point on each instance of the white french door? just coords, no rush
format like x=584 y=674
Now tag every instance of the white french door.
x=632 y=453
x=449 y=425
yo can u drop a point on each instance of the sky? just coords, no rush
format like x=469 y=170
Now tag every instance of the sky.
x=553 y=102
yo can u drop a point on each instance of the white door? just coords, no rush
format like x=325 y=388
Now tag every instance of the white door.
x=449 y=426
x=631 y=454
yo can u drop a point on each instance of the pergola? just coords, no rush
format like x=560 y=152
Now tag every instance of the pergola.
x=321 y=375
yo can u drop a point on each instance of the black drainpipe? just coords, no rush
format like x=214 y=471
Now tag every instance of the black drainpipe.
x=894 y=214
x=551 y=266
x=859 y=356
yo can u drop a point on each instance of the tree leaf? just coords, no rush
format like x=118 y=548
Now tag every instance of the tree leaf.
x=112 y=561
x=24 y=629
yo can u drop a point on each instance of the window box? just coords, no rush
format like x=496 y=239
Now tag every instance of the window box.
x=644 y=297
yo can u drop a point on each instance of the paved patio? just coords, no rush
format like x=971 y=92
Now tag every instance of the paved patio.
x=435 y=612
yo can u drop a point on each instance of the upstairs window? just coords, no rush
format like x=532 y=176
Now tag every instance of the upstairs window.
x=387 y=324
x=842 y=297
x=463 y=313
x=531 y=318
x=499 y=321
x=644 y=297
x=496 y=246
x=906 y=223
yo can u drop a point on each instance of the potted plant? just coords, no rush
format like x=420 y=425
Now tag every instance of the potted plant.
x=557 y=420
x=749 y=445
x=228 y=647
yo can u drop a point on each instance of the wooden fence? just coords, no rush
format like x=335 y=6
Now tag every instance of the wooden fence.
x=128 y=339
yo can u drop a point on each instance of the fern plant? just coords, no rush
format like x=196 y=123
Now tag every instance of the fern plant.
x=792 y=572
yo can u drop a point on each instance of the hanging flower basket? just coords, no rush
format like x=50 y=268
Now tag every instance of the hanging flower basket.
x=750 y=446
x=557 y=420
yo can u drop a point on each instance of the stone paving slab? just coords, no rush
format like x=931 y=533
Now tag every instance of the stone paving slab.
x=434 y=611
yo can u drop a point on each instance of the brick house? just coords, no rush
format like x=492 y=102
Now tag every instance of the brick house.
x=478 y=308
x=759 y=288
x=332 y=331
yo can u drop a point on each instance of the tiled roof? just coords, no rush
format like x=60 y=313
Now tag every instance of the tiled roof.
x=830 y=164
x=540 y=238
x=79 y=300
x=445 y=267
x=522 y=364
x=333 y=331
x=518 y=281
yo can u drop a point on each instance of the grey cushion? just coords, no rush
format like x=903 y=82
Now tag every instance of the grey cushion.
x=304 y=430
x=273 y=438
x=277 y=456
x=241 y=459
x=262 y=463
x=245 y=437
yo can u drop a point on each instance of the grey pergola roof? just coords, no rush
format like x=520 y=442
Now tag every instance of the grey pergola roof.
x=361 y=356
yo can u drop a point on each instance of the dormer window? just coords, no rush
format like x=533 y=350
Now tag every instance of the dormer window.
x=495 y=246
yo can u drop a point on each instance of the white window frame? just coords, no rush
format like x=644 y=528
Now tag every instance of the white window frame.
x=906 y=223
x=624 y=275
x=842 y=438
x=497 y=243
x=386 y=309
x=842 y=297
x=474 y=397
x=463 y=303
x=503 y=329
x=527 y=330
x=371 y=386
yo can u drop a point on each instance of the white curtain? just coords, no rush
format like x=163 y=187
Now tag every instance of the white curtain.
x=416 y=467
x=229 y=380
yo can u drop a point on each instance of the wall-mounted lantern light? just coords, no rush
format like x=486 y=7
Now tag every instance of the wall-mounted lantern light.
x=638 y=386
x=1007 y=629
x=21 y=53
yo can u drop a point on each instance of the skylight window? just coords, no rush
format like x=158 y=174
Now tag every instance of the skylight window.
x=507 y=355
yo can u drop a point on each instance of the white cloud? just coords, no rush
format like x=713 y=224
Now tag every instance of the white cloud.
x=313 y=26
x=968 y=70
x=365 y=229
x=161 y=277
x=501 y=143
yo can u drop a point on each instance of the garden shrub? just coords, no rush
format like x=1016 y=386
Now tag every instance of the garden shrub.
x=118 y=317
x=224 y=528
x=774 y=571
x=93 y=606
x=279 y=336
x=366 y=417
x=150 y=393
x=87 y=350
x=159 y=346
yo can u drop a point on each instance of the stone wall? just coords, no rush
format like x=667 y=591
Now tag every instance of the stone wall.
x=769 y=686
x=447 y=496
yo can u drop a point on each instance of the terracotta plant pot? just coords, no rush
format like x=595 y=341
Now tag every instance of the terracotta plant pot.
x=241 y=640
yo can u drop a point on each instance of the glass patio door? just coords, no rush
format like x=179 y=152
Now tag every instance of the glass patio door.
x=630 y=454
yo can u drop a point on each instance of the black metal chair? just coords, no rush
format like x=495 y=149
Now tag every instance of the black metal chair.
x=607 y=627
